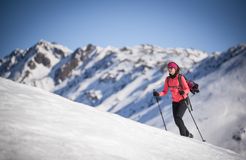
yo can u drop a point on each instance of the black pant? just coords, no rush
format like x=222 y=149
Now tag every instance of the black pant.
x=179 y=109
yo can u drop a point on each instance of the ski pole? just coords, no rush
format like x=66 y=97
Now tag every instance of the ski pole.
x=157 y=100
x=188 y=99
x=194 y=120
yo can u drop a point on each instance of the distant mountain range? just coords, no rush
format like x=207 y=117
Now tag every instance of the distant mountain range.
x=121 y=80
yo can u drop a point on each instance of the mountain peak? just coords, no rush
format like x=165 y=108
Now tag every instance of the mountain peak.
x=42 y=41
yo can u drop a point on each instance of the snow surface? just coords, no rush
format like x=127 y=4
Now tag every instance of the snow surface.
x=35 y=124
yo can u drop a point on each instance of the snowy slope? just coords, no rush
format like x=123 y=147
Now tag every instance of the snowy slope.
x=39 y=125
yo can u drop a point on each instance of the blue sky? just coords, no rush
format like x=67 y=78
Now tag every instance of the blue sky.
x=208 y=25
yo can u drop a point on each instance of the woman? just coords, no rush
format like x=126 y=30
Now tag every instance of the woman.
x=179 y=96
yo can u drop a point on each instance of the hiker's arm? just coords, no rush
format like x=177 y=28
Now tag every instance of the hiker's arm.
x=165 y=89
x=185 y=85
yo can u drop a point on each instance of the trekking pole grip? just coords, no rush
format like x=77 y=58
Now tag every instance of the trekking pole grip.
x=157 y=100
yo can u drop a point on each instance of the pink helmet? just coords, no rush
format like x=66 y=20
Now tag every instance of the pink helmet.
x=172 y=65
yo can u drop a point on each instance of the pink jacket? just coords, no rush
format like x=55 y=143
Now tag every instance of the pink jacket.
x=175 y=87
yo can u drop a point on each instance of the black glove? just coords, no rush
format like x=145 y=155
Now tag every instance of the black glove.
x=156 y=94
x=181 y=92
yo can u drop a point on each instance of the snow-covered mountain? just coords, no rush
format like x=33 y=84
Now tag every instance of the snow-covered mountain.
x=34 y=64
x=36 y=124
x=55 y=68
x=93 y=75
x=121 y=81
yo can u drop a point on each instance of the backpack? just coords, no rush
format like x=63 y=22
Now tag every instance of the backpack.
x=191 y=84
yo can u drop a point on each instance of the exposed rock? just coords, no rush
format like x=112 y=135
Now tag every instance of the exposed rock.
x=65 y=71
x=59 y=53
x=25 y=76
x=40 y=58
x=124 y=49
x=31 y=64
x=90 y=48
x=237 y=136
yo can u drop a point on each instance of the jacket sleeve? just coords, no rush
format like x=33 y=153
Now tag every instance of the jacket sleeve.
x=185 y=85
x=165 y=89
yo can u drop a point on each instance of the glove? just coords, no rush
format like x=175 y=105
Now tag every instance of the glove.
x=156 y=94
x=181 y=92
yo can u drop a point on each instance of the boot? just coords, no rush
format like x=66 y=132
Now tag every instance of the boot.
x=190 y=135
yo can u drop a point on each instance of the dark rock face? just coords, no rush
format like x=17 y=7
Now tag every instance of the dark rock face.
x=79 y=55
x=31 y=64
x=40 y=58
x=25 y=76
x=123 y=49
x=90 y=48
x=237 y=136
x=59 y=52
x=65 y=71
